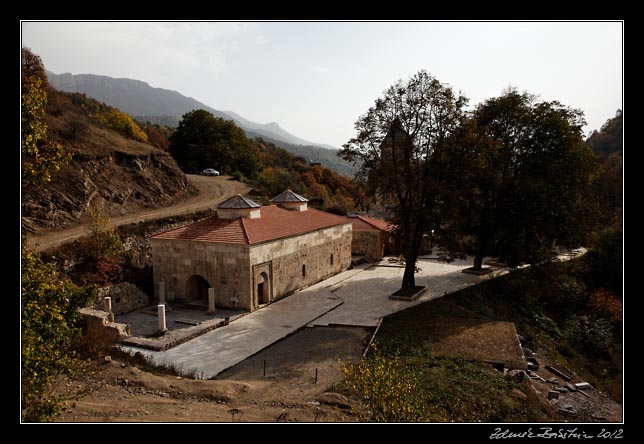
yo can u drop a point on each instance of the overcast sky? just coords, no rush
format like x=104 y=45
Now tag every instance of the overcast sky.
x=315 y=79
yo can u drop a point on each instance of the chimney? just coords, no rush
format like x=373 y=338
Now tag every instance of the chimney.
x=238 y=206
x=291 y=201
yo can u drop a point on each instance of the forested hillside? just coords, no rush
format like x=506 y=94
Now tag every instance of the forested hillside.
x=325 y=188
x=608 y=144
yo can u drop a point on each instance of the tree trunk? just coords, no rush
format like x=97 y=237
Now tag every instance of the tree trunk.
x=478 y=262
x=409 y=277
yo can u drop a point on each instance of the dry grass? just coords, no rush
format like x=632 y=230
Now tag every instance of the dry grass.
x=454 y=331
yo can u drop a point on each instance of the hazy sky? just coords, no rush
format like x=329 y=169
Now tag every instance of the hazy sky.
x=316 y=78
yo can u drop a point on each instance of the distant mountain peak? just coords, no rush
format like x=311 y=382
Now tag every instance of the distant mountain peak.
x=141 y=100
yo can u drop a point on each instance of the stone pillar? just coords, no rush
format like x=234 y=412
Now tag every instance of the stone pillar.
x=161 y=317
x=211 y=301
x=162 y=292
x=108 y=308
x=108 y=304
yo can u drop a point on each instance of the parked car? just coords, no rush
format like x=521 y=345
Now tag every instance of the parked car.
x=210 y=172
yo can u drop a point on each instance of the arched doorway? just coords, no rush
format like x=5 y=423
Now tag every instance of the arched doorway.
x=197 y=288
x=263 y=289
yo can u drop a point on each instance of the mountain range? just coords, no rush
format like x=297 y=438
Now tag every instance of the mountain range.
x=144 y=102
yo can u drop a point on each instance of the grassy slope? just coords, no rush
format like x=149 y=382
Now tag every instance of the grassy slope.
x=539 y=302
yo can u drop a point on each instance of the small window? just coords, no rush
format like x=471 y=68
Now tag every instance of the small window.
x=303 y=270
x=331 y=259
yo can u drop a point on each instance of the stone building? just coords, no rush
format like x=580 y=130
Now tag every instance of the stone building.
x=250 y=254
x=372 y=237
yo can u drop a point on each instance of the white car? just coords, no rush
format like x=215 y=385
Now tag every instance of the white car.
x=210 y=172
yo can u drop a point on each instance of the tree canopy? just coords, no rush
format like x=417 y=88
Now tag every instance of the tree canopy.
x=204 y=141
x=396 y=145
x=40 y=157
x=325 y=188
x=542 y=196
x=610 y=138
x=608 y=143
x=50 y=329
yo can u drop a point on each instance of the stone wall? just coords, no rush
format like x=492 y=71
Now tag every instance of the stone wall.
x=234 y=271
x=224 y=266
x=100 y=329
x=369 y=243
x=126 y=297
x=301 y=261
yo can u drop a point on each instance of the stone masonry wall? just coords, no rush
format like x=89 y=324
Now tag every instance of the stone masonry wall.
x=369 y=243
x=126 y=297
x=234 y=270
x=312 y=250
x=224 y=266
x=100 y=329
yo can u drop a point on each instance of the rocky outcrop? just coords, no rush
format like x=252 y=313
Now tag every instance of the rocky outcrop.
x=119 y=182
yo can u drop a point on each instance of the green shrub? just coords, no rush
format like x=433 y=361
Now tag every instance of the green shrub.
x=50 y=330
x=592 y=336
x=389 y=388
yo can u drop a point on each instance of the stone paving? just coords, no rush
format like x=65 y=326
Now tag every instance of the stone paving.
x=366 y=295
x=357 y=297
x=144 y=322
x=211 y=353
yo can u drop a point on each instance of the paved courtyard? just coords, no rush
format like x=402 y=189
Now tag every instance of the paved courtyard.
x=358 y=297
x=365 y=296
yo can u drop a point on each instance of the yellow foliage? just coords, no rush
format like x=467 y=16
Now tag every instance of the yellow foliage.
x=121 y=123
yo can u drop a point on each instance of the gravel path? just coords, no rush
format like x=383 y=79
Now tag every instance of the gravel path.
x=212 y=191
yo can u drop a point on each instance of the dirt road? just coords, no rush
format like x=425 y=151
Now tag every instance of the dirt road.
x=212 y=191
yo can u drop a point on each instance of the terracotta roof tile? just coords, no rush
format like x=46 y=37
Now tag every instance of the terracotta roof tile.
x=274 y=223
x=209 y=230
x=370 y=223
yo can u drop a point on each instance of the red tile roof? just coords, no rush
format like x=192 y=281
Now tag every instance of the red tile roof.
x=274 y=223
x=370 y=223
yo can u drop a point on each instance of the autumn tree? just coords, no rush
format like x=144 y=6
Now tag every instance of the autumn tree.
x=120 y=122
x=395 y=146
x=102 y=250
x=531 y=189
x=40 y=157
x=202 y=141
x=50 y=330
x=157 y=134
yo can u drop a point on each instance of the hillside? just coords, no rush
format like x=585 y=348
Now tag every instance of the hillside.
x=313 y=154
x=610 y=138
x=608 y=143
x=158 y=105
x=107 y=169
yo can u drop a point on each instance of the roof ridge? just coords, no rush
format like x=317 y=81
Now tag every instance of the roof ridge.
x=365 y=220
x=245 y=231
